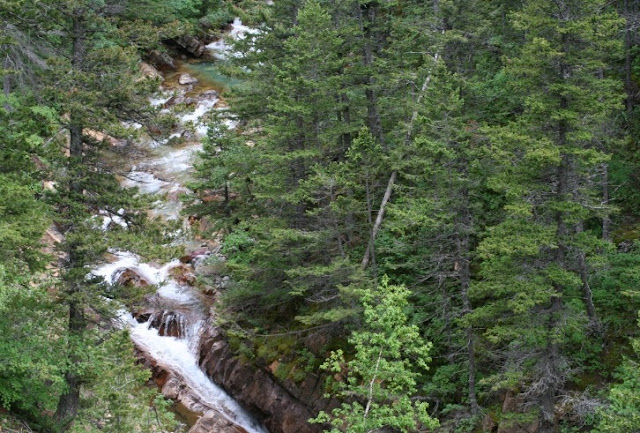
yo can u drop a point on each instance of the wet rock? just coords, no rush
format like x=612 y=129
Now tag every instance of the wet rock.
x=187 y=79
x=191 y=44
x=183 y=275
x=142 y=316
x=181 y=99
x=130 y=277
x=168 y=323
x=212 y=421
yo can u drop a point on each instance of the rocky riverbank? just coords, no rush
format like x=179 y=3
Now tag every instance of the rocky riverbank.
x=175 y=333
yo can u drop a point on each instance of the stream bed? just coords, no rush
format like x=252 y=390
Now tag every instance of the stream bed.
x=168 y=332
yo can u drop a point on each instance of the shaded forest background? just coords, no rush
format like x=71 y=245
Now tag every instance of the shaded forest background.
x=471 y=165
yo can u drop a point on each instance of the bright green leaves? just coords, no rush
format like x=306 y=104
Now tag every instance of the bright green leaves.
x=383 y=374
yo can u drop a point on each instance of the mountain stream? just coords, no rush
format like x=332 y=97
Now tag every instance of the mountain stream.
x=169 y=333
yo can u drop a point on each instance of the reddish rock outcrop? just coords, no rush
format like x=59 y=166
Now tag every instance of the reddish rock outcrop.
x=284 y=408
x=168 y=323
x=183 y=274
x=129 y=277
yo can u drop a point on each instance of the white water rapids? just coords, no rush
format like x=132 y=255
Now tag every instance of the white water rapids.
x=175 y=354
x=163 y=173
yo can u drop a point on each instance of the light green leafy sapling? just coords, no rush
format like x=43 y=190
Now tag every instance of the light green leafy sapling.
x=381 y=379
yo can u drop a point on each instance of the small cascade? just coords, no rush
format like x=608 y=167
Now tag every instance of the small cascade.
x=169 y=324
x=221 y=49
x=171 y=336
x=168 y=332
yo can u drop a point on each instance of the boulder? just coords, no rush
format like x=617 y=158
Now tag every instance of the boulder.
x=187 y=79
x=130 y=277
x=169 y=323
x=183 y=274
x=149 y=71
x=191 y=44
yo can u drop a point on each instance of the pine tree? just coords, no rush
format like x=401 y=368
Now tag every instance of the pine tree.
x=89 y=82
x=294 y=247
x=535 y=290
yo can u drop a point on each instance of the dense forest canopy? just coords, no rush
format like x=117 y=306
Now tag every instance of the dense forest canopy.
x=444 y=194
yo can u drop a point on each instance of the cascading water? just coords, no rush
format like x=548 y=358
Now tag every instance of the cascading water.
x=169 y=335
x=176 y=354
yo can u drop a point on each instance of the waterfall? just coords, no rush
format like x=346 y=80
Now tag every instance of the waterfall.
x=170 y=334
x=175 y=354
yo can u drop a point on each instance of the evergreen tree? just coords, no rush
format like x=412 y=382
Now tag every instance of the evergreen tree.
x=535 y=293
x=90 y=82
x=294 y=247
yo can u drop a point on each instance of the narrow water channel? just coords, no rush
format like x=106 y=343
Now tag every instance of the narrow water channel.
x=169 y=333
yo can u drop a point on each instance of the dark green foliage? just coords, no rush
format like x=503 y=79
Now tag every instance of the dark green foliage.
x=30 y=352
x=58 y=347
x=474 y=151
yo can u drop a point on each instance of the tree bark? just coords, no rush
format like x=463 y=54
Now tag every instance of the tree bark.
x=628 y=45
x=606 y=220
x=587 y=295
x=464 y=273
x=378 y=223
x=366 y=23
x=69 y=402
x=394 y=174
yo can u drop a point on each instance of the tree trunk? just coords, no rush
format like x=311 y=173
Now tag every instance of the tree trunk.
x=464 y=273
x=587 y=295
x=69 y=402
x=550 y=381
x=394 y=174
x=366 y=23
x=378 y=223
x=628 y=45
x=606 y=220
